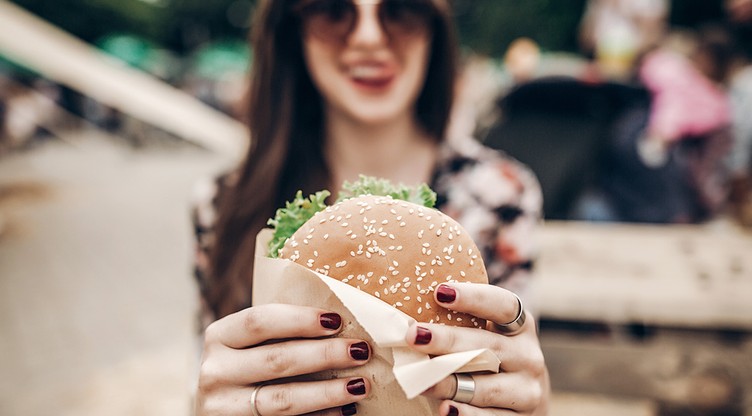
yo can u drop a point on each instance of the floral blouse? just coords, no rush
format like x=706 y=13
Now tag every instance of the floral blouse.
x=494 y=197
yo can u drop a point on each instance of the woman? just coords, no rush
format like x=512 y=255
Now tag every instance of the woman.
x=341 y=88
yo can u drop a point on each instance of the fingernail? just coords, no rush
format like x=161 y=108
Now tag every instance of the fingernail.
x=349 y=409
x=423 y=336
x=330 y=320
x=356 y=387
x=446 y=294
x=359 y=351
x=453 y=411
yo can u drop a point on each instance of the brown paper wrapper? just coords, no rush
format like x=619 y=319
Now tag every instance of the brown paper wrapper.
x=398 y=374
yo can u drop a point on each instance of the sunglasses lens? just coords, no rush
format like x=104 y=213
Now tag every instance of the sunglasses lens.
x=400 y=17
x=328 y=19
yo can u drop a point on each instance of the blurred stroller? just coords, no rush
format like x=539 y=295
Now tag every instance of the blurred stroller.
x=588 y=144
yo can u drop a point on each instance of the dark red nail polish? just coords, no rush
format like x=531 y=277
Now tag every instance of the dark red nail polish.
x=446 y=294
x=453 y=411
x=330 y=320
x=349 y=409
x=423 y=336
x=356 y=387
x=360 y=351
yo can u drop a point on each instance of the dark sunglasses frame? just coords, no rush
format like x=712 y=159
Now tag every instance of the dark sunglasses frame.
x=335 y=20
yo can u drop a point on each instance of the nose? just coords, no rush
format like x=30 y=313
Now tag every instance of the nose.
x=367 y=30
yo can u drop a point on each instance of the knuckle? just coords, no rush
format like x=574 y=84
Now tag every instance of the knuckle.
x=281 y=400
x=211 y=334
x=492 y=393
x=331 y=351
x=211 y=406
x=210 y=376
x=278 y=361
x=253 y=320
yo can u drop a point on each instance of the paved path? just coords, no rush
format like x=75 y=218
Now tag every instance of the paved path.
x=95 y=290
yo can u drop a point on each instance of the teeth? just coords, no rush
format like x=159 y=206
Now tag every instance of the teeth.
x=364 y=71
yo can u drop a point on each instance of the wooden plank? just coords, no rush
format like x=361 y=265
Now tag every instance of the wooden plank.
x=675 y=275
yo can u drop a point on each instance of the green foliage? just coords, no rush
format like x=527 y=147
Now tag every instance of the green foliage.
x=295 y=213
x=489 y=26
x=368 y=185
x=287 y=220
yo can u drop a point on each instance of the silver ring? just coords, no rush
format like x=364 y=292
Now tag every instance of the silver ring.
x=254 y=392
x=515 y=326
x=465 y=388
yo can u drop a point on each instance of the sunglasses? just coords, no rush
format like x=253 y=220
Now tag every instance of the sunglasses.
x=335 y=20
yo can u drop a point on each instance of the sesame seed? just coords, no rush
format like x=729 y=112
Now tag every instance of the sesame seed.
x=377 y=294
x=402 y=224
x=315 y=253
x=438 y=232
x=326 y=236
x=385 y=222
x=399 y=248
x=420 y=310
x=343 y=263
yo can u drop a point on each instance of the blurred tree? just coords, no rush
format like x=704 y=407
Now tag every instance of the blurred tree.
x=180 y=25
x=489 y=26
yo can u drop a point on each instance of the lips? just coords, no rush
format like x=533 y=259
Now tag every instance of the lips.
x=372 y=76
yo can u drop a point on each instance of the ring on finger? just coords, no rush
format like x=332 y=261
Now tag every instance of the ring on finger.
x=254 y=393
x=465 y=388
x=515 y=326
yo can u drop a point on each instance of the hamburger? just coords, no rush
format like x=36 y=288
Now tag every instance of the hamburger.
x=387 y=241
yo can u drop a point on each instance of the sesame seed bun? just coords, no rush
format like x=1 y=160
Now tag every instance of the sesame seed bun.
x=394 y=250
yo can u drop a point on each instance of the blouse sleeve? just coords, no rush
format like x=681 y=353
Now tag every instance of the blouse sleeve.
x=498 y=201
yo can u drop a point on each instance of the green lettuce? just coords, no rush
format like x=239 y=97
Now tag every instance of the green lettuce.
x=287 y=220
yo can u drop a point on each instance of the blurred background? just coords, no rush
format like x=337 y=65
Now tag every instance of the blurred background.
x=635 y=115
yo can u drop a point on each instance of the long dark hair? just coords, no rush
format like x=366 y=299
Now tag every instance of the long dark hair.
x=285 y=116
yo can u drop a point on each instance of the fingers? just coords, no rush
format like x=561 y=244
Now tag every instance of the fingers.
x=253 y=326
x=449 y=408
x=513 y=391
x=489 y=302
x=291 y=358
x=338 y=396
x=330 y=397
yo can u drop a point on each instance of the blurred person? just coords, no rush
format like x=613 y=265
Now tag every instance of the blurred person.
x=341 y=88
x=616 y=32
x=720 y=55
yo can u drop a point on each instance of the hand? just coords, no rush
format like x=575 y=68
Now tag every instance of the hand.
x=522 y=386
x=238 y=357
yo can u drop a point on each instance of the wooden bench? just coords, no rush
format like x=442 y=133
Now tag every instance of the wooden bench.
x=657 y=312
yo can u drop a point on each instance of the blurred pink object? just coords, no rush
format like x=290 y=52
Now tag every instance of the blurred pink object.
x=685 y=103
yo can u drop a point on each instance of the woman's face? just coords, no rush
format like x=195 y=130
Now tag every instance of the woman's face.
x=367 y=71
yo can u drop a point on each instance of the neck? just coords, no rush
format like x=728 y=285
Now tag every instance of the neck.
x=399 y=151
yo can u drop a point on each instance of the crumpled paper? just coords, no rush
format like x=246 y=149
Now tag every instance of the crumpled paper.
x=397 y=373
